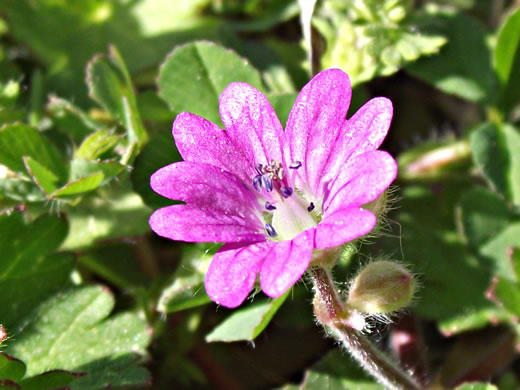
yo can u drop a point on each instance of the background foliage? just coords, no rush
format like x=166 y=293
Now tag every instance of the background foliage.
x=90 y=298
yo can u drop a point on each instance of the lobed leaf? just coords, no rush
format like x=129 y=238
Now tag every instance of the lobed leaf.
x=70 y=331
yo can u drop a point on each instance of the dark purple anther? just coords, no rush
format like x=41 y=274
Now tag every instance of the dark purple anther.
x=259 y=168
x=295 y=165
x=270 y=206
x=311 y=207
x=267 y=183
x=257 y=183
x=270 y=230
x=286 y=191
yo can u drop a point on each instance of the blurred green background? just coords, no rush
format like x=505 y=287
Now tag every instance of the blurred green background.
x=90 y=298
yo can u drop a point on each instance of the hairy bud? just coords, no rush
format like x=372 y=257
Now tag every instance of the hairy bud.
x=381 y=287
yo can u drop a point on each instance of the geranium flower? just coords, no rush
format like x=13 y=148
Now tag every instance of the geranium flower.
x=272 y=196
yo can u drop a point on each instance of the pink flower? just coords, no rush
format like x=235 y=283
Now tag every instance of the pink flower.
x=273 y=196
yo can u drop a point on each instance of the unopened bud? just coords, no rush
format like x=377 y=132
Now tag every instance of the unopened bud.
x=381 y=287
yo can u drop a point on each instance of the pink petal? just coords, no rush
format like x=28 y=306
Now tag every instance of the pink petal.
x=252 y=123
x=343 y=226
x=201 y=141
x=192 y=224
x=208 y=188
x=364 y=178
x=232 y=272
x=314 y=123
x=286 y=263
x=362 y=133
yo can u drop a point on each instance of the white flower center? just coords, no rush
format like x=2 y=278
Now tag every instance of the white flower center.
x=286 y=214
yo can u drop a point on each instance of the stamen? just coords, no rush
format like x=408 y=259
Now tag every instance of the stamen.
x=259 y=169
x=311 y=207
x=270 y=230
x=267 y=183
x=257 y=183
x=286 y=191
x=270 y=206
x=295 y=165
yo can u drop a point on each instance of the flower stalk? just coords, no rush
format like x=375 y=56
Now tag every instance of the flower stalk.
x=374 y=361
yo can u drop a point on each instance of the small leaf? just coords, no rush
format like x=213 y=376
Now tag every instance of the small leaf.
x=11 y=368
x=97 y=144
x=507 y=61
x=508 y=294
x=45 y=179
x=19 y=140
x=495 y=152
x=194 y=75
x=110 y=85
x=498 y=251
x=247 y=323
x=482 y=215
x=79 y=186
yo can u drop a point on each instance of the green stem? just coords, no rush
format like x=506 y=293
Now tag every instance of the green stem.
x=375 y=362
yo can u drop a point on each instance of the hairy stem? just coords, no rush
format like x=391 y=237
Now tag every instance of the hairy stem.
x=375 y=362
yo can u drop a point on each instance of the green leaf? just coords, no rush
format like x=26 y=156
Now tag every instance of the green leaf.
x=80 y=168
x=96 y=144
x=159 y=152
x=482 y=214
x=79 y=186
x=507 y=61
x=19 y=140
x=110 y=85
x=247 y=323
x=11 y=368
x=44 y=179
x=50 y=380
x=336 y=371
x=71 y=120
x=498 y=251
x=508 y=294
x=26 y=261
x=463 y=65
x=495 y=152
x=194 y=75
x=71 y=331
x=187 y=288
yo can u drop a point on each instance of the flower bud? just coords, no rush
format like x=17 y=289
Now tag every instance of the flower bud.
x=381 y=287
